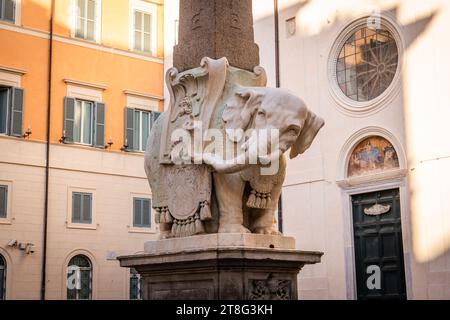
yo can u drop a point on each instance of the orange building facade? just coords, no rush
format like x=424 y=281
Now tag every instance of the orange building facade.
x=80 y=83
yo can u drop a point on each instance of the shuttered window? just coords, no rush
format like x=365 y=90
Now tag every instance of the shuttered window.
x=138 y=124
x=11 y=111
x=141 y=213
x=3 y=202
x=82 y=208
x=142 y=31
x=7 y=10
x=2 y=278
x=84 y=122
x=86 y=19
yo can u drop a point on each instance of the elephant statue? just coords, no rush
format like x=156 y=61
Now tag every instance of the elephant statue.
x=243 y=199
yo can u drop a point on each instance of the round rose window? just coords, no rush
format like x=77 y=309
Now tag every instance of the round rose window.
x=367 y=64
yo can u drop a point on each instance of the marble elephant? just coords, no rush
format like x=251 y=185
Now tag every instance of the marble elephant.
x=246 y=198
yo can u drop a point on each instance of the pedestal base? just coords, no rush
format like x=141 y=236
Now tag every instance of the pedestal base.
x=221 y=267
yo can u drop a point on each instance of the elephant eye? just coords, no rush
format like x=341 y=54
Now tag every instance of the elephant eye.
x=261 y=113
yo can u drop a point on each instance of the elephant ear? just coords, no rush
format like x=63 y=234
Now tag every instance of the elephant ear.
x=310 y=129
x=240 y=108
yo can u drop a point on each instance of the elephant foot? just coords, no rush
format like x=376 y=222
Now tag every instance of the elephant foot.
x=267 y=231
x=233 y=228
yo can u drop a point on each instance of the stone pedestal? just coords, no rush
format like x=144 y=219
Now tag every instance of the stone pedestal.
x=221 y=267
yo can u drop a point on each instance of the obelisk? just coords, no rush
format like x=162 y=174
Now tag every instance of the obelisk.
x=216 y=29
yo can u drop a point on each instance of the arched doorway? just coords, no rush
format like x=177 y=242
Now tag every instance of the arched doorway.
x=376 y=220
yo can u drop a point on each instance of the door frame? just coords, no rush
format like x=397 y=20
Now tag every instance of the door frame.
x=392 y=179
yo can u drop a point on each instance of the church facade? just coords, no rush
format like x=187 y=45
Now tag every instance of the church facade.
x=372 y=192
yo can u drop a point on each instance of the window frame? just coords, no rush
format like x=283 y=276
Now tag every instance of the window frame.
x=9 y=190
x=82 y=213
x=346 y=104
x=69 y=219
x=142 y=225
x=140 y=285
x=91 y=276
x=97 y=22
x=152 y=10
x=92 y=124
x=131 y=228
x=17 y=12
x=142 y=146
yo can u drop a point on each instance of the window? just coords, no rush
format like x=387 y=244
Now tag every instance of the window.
x=142 y=31
x=86 y=19
x=7 y=10
x=11 y=111
x=79 y=278
x=136 y=285
x=141 y=213
x=84 y=122
x=3 y=202
x=81 y=208
x=2 y=278
x=138 y=127
x=367 y=64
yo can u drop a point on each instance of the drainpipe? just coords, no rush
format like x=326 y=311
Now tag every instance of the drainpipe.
x=47 y=159
x=278 y=84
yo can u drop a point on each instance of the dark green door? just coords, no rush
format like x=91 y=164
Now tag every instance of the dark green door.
x=380 y=271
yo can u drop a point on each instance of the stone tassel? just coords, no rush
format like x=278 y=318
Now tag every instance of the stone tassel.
x=158 y=215
x=174 y=228
x=258 y=201
x=168 y=217
x=199 y=228
x=263 y=202
x=269 y=201
x=252 y=199
x=205 y=211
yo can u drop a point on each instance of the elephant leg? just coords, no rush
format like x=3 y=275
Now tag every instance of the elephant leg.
x=263 y=221
x=229 y=192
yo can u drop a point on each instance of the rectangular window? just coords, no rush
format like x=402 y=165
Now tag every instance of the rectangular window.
x=142 y=31
x=86 y=19
x=3 y=202
x=141 y=213
x=83 y=124
x=7 y=10
x=82 y=208
x=138 y=126
x=11 y=111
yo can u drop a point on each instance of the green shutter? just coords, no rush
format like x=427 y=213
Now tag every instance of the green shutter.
x=69 y=121
x=87 y=208
x=76 y=207
x=129 y=128
x=146 y=213
x=100 y=110
x=17 y=95
x=3 y=202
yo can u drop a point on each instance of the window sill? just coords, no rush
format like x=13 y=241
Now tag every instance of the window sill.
x=86 y=40
x=5 y=221
x=80 y=226
x=141 y=230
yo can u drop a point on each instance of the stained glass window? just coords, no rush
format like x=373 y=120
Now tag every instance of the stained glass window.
x=367 y=64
